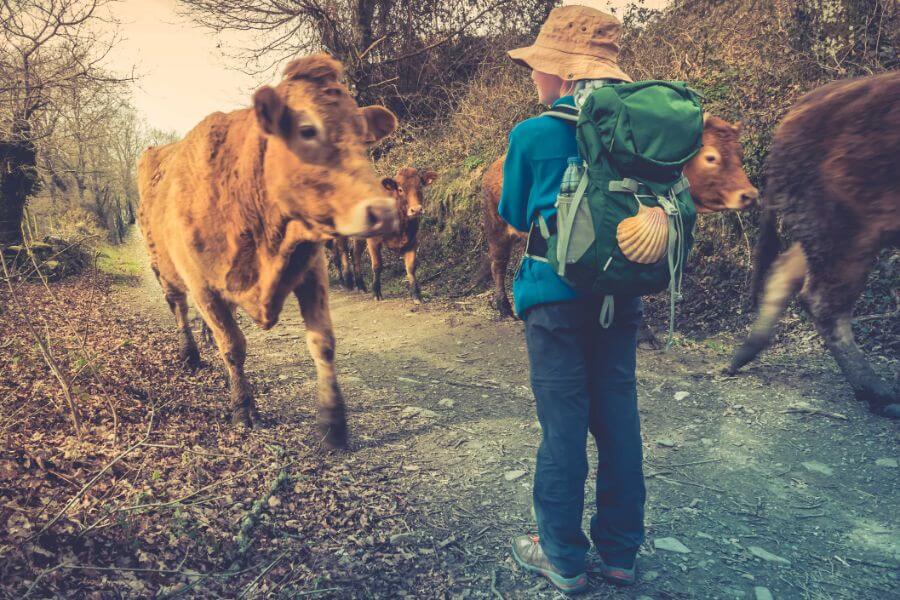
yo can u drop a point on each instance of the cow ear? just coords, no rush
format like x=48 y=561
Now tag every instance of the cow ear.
x=389 y=184
x=320 y=68
x=428 y=177
x=270 y=110
x=380 y=123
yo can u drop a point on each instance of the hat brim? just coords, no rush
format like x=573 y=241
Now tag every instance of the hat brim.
x=567 y=66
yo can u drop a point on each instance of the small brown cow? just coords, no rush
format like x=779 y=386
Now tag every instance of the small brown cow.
x=235 y=215
x=408 y=187
x=717 y=178
x=833 y=175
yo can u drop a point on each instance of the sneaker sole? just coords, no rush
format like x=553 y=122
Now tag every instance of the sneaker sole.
x=567 y=585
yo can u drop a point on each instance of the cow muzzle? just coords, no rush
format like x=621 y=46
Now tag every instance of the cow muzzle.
x=413 y=211
x=374 y=216
x=742 y=199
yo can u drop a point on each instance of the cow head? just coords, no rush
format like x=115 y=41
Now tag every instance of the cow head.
x=316 y=160
x=409 y=187
x=716 y=173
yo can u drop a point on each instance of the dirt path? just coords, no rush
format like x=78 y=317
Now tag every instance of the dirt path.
x=744 y=472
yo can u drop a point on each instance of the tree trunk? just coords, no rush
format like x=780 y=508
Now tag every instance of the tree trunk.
x=18 y=179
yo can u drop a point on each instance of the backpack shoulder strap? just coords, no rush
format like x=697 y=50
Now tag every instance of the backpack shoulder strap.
x=564 y=112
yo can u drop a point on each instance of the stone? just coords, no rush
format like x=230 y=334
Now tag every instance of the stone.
x=817 y=467
x=417 y=411
x=665 y=443
x=681 y=395
x=670 y=544
x=513 y=475
x=650 y=576
x=887 y=463
x=762 y=593
x=446 y=402
x=768 y=556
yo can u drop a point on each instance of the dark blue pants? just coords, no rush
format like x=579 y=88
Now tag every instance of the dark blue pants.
x=583 y=379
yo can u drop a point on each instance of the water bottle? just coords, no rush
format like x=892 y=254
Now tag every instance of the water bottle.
x=571 y=177
x=567 y=188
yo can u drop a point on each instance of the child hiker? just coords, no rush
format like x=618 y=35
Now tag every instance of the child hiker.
x=582 y=375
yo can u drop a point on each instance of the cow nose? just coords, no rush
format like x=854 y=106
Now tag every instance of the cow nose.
x=374 y=216
x=414 y=211
x=748 y=197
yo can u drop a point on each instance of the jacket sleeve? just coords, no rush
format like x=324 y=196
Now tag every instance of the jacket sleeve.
x=517 y=181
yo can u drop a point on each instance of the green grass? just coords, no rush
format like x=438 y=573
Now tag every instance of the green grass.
x=115 y=261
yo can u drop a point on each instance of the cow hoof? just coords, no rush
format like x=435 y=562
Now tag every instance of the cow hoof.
x=240 y=417
x=891 y=411
x=190 y=358
x=729 y=370
x=334 y=435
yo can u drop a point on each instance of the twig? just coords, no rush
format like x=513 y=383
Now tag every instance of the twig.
x=94 y=479
x=809 y=410
x=494 y=589
x=45 y=352
x=315 y=592
x=262 y=574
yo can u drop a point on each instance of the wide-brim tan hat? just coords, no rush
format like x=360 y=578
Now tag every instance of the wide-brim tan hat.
x=576 y=42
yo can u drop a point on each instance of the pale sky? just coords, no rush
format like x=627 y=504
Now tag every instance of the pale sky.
x=183 y=75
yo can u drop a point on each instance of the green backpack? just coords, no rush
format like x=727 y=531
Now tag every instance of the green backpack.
x=625 y=217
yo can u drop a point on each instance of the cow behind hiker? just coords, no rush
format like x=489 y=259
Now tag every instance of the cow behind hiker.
x=717 y=178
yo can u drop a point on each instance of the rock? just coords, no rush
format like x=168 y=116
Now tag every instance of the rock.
x=706 y=441
x=417 y=411
x=681 y=395
x=768 y=556
x=650 y=576
x=763 y=593
x=887 y=463
x=817 y=467
x=513 y=475
x=274 y=501
x=670 y=544
x=666 y=443
x=446 y=402
x=399 y=539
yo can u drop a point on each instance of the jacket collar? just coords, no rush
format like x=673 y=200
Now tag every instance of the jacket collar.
x=565 y=100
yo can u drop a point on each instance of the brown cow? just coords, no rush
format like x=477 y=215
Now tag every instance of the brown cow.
x=718 y=182
x=235 y=214
x=832 y=175
x=408 y=187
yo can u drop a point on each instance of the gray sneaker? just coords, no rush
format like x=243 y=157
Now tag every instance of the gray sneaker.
x=527 y=551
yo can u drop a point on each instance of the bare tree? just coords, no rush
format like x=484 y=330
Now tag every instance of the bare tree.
x=397 y=52
x=47 y=47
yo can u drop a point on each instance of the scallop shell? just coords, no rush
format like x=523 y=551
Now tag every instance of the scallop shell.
x=644 y=237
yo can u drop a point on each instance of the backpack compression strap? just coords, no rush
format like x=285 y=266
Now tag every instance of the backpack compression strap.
x=564 y=112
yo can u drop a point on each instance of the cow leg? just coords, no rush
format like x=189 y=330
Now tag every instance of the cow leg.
x=409 y=259
x=647 y=338
x=375 y=257
x=499 y=251
x=788 y=275
x=347 y=273
x=233 y=348
x=357 y=249
x=830 y=301
x=312 y=294
x=188 y=354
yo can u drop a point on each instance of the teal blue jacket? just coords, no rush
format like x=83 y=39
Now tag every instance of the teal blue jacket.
x=539 y=149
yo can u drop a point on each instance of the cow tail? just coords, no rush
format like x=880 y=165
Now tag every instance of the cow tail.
x=767 y=248
x=788 y=276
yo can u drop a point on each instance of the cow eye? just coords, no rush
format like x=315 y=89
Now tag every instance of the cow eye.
x=710 y=158
x=309 y=132
x=334 y=92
